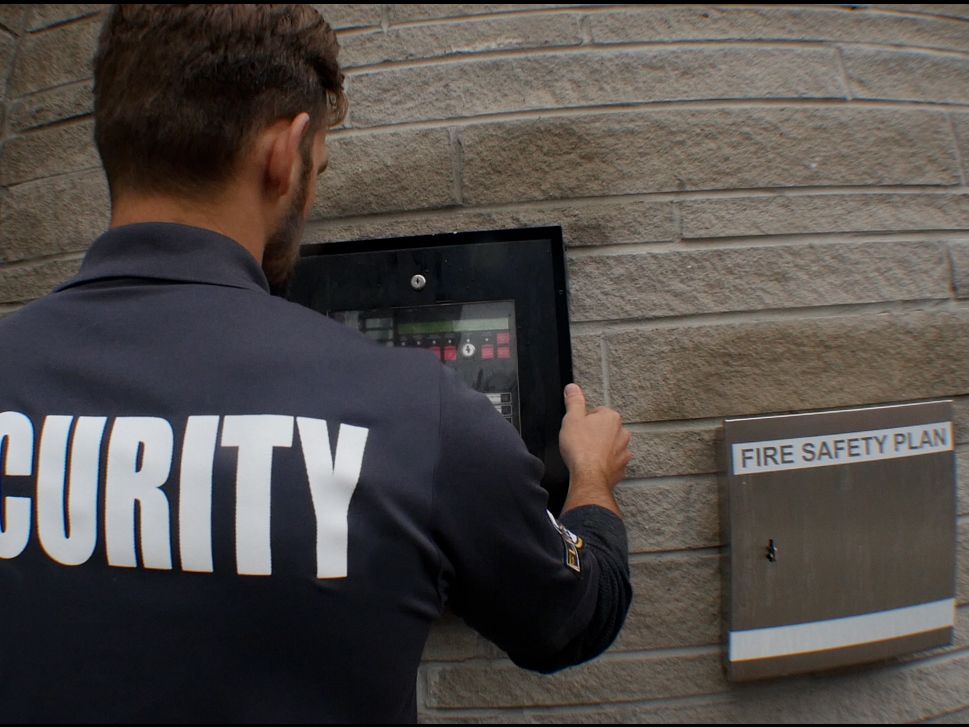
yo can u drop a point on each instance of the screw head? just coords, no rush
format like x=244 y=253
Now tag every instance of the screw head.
x=418 y=282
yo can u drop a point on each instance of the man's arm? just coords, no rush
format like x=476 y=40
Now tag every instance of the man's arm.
x=595 y=448
x=549 y=597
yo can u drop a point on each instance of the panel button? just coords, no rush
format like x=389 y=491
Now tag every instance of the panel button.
x=468 y=349
x=487 y=351
x=504 y=338
x=436 y=350
x=450 y=353
x=504 y=352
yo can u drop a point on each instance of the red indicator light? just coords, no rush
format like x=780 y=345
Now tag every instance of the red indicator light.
x=487 y=351
x=450 y=353
x=504 y=338
x=504 y=352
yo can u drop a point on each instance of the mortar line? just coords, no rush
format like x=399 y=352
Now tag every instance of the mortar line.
x=571 y=48
x=708 y=195
x=604 y=362
x=799 y=240
x=652 y=556
x=632 y=9
x=609 y=109
x=843 y=69
x=677 y=222
x=86 y=17
x=648 y=483
x=54 y=124
x=768 y=315
x=517 y=12
x=457 y=165
x=958 y=152
x=5 y=132
x=951 y=271
x=40 y=260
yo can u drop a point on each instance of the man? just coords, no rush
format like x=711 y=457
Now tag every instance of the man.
x=219 y=506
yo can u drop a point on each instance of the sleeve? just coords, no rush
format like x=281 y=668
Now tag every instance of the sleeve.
x=549 y=594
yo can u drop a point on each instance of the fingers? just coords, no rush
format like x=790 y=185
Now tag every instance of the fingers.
x=621 y=454
x=593 y=444
x=574 y=400
x=609 y=417
x=625 y=438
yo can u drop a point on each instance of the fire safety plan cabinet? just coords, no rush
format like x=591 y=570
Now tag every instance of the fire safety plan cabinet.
x=841 y=528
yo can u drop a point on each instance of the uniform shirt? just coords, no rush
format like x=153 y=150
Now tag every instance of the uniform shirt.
x=221 y=506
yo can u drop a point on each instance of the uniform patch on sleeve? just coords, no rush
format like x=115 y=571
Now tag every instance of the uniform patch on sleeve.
x=572 y=544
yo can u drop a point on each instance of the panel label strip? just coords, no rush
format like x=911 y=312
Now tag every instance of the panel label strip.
x=841 y=632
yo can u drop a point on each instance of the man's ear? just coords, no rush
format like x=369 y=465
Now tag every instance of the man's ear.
x=284 y=163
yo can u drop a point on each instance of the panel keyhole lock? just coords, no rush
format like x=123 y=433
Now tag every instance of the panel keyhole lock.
x=418 y=282
x=771 y=551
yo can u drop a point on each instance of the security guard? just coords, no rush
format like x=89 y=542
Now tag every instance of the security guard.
x=220 y=506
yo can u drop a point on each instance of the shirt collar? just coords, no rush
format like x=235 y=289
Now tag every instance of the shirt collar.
x=168 y=251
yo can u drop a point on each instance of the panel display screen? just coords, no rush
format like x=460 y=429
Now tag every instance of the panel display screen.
x=477 y=340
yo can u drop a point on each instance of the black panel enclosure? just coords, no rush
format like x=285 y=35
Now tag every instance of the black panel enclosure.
x=373 y=285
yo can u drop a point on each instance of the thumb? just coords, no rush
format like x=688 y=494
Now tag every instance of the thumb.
x=574 y=401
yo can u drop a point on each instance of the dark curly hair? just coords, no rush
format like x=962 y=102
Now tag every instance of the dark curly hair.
x=180 y=90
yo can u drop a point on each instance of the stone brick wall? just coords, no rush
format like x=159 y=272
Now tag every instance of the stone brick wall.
x=766 y=210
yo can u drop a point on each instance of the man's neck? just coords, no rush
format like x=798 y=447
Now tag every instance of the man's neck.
x=232 y=218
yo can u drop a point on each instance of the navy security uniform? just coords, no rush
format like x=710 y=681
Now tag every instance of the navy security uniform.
x=221 y=506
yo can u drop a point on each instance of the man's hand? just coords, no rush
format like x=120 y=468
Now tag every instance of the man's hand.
x=594 y=447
